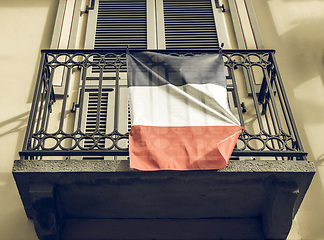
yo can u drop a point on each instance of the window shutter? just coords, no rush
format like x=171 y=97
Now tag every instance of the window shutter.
x=91 y=117
x=121 y=23
x=189 y=25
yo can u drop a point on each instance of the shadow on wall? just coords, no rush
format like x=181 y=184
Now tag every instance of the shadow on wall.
x=21 y=8
x=303 y=44
x=17 y=125
x=299 y=52
x=294 y=29
x=296 y=33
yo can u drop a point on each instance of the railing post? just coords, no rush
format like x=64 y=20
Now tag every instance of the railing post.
x=116 y=114
x=47 y=101
x=238 y=102
x=81 y=98
x=285 y=98
x=33 y=110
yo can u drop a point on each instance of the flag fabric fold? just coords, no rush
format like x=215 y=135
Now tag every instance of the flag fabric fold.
x=180 y=114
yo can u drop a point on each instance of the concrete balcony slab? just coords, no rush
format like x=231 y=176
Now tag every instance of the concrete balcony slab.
x=108 y=195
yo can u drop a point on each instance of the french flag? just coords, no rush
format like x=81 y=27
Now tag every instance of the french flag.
x=180 y=114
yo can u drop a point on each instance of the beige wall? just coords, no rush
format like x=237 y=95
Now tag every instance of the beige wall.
x=26 y=27
x=295 y=29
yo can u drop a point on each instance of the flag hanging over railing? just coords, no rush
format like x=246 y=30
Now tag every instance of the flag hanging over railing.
x=180 y=114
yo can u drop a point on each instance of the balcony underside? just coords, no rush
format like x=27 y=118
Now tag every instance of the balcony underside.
x=106 y=200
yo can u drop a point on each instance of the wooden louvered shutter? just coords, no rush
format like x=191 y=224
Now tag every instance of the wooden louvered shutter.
x=91 y=118
x=189 y=25
x=115 y=24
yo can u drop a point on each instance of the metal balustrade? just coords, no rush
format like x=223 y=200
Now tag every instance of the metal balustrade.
x=61 y=126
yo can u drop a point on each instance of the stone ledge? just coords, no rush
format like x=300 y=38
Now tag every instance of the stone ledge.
x=123 y=166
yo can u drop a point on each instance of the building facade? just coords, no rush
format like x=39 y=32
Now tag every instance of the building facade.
x=292 y=28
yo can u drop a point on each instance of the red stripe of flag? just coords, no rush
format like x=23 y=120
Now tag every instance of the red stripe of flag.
x=181 y=148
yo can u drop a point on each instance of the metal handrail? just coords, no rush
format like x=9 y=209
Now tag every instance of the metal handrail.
x=270 y=129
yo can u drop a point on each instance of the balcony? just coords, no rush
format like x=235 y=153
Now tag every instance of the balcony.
x=74 y=177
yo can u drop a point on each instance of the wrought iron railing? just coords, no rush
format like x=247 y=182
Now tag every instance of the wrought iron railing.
x=68 y=125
